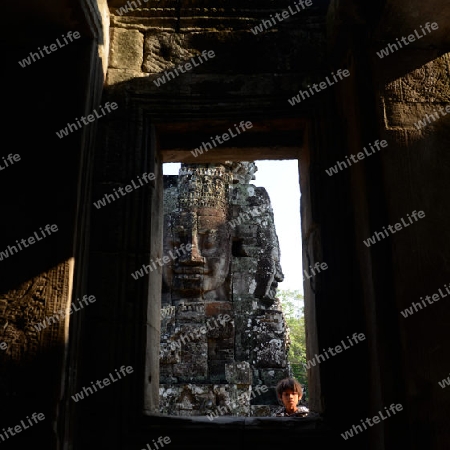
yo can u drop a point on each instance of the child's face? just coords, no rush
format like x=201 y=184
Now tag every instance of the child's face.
x=290 y=400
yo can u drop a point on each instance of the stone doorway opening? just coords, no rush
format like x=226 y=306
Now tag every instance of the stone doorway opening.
x=232 y=274
x=291 y=133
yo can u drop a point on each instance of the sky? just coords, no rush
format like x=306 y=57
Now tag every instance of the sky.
x=280 y=178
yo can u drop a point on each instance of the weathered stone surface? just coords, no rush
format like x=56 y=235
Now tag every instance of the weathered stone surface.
x=271 y=377
x=364 y=290
x=270 y=349
x=126 y=49
x=24 y=309
x=417 y=95
x=426 y=84
x=117 y=76
x=238 y=373
x=222 y=322
x=163 y=51
x=261 y=410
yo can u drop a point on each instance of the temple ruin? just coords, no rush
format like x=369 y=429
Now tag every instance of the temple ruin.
x=85 y=120
x=223 y=333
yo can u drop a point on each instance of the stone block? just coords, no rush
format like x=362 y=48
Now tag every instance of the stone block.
x=191 y=312
x=194 y=363
x=270 y=346
x=232 y=400
x=260 y=411
x=186 y=399
x=216 y=308
x=168 y=355
x=271 y=377
x=271 y=354
x=238 y=372
x=243 y=337
x=265 y=398
x=126 y=49
x=245 y=304
x=164 y=50
x=119 y=76
x=244 y=272
x=166 y=374
x=216 y=370
x=219 y=328
x=219 y=349
x=188 y=372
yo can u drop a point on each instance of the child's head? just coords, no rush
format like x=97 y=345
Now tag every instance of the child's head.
x=289 y=392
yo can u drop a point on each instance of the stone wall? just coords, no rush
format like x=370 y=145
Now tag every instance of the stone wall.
x=95 y=252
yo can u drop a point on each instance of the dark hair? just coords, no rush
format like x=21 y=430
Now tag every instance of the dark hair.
x=289 y=384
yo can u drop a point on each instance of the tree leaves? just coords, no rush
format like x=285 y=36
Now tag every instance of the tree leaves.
x=293 y=308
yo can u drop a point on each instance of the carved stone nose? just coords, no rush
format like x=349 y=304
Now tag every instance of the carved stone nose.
x=193 y=257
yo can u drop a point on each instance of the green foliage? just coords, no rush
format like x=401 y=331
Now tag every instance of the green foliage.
x=293 y=309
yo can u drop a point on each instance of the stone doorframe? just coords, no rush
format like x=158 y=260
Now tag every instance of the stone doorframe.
x=276 y=139
x=137 y=141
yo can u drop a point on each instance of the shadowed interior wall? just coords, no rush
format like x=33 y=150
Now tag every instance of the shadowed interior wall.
x=365 y=288
x=50 y=185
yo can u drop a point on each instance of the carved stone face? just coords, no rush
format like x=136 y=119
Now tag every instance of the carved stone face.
x=206 y=266
x=269 y=281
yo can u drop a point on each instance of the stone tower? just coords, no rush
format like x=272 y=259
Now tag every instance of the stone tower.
x=224 y=341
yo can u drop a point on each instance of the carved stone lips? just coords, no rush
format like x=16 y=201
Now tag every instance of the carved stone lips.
x=185 y=270
x=192 y=276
